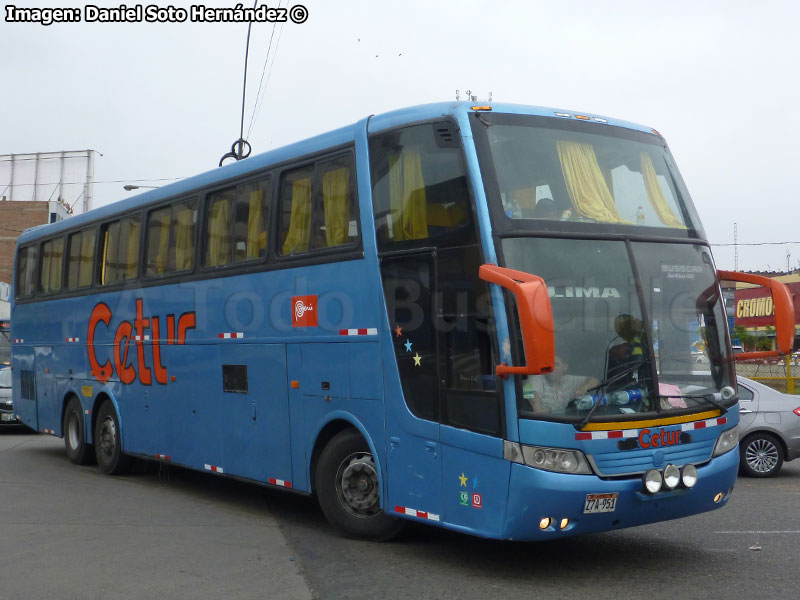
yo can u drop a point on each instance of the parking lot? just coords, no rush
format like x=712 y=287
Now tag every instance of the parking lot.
x=69 y=532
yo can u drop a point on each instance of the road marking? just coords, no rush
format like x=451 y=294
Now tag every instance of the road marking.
x=765 y=532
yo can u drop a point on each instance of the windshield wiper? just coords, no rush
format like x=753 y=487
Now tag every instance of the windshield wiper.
x=605 y=383
x=713 y=398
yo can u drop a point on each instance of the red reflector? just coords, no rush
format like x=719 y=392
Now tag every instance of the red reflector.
x=797 y=411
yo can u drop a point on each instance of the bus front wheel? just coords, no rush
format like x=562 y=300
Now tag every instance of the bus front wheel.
x=107 y=441
x=78 y=451
x=346 y=482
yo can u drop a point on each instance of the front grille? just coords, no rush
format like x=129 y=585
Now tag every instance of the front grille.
x=633 y=462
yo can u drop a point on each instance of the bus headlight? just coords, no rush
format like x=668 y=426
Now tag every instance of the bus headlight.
x=558 y=460
x=652 y=481
x=726 y=441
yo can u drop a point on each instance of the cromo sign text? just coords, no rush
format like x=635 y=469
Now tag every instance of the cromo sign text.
x=128 y=332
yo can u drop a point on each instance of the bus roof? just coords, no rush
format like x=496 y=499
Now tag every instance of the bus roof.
x=337 y=137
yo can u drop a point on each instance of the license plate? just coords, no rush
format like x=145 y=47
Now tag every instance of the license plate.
x=600 y=503
x=7 y=417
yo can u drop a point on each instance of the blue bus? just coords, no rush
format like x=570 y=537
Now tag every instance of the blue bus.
x=478 y=317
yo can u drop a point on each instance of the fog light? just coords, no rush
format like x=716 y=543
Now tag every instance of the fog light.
x=652 y=481
x=564 y=523
x=672 y=476
x=545 y=522
x=718 y=497
x=689 y=476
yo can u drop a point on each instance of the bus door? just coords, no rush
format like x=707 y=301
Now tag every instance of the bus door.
x=257 y=410
x=414 y=462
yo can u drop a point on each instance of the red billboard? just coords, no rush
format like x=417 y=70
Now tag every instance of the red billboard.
x=754 y=307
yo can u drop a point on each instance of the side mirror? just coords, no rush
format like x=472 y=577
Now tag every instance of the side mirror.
x=535 y=318
x=784 y=313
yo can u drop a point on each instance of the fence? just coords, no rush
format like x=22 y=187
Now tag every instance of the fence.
x=783 y=376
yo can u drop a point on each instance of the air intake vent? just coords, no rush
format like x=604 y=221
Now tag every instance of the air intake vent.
x=445 y=136
x=27 y=387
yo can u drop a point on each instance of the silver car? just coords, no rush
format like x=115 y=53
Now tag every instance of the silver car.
x=769 y=428
x=6 y=406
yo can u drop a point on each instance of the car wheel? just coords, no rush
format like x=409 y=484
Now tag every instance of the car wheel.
x=107 y=441
x=346 y=482
x=78 y=451
x=761 y=455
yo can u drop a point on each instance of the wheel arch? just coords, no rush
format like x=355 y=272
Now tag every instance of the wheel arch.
x=336 y=423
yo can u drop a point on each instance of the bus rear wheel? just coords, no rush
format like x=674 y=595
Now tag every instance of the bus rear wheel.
x=78 y=451
x=346 y=482
x=107 y=441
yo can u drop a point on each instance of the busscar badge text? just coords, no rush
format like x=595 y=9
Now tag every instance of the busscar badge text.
x=141 y=330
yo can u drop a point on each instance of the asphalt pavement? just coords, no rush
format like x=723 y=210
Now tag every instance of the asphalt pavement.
x=69 y=532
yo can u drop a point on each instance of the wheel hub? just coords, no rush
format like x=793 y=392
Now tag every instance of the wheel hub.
x=358 y=485
x=762 y=456
x=108 y=436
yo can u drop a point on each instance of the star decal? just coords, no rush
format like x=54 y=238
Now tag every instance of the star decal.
x=398 y=331
x=417 y=360
x=408 y=345
x=463 y=479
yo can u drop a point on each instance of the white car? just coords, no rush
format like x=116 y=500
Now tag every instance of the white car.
x=6 y=405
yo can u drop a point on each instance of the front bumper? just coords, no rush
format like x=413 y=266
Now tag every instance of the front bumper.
x=535 y=494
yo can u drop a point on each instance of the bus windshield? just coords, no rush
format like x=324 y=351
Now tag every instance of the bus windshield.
x=557 y=170
x=623 y=310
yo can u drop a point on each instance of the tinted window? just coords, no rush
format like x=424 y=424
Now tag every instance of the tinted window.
x=26 y=270
x=52 y=262
x=745 y=394
x=419 y=184
x=318 y=207
x=81 y=259
x=237 y=224
x=120 y=251
x=170 y=239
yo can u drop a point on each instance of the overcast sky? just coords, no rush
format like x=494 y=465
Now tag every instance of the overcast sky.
x=719 y=79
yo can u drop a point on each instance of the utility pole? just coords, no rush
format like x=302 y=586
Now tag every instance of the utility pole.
x=735 y=247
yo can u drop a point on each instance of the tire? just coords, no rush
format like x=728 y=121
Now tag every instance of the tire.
x=78 y=451
x=761 y=455
x=107 y=441
x=346 y=482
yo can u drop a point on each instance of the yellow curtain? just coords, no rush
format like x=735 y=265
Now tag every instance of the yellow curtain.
x=585 y=182
x=407 y=196
x=106 y=258
x=256 y=230
x=218 y=245
x=86 y=259
x=56 y=264
x=656 y=195
x=162 y=221
x=44 y=275
x=336 y=203
x=132 y=254
x=299 y=234
x=184 y=240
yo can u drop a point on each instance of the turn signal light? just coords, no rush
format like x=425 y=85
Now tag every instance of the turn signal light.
x=797 y=411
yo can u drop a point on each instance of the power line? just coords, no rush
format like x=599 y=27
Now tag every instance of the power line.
x=259 y=97
x=104 y=181
x=757 y=244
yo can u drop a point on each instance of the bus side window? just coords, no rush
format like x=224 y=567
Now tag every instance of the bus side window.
x=120 y=261
x=318 y=206
x=52 y=261
x=419 y=185
x=26 y=271
x=81 y=258
x=236 y=229
x=337 y=224
x=170 y=239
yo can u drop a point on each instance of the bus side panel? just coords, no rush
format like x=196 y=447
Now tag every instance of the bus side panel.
x=256 y=437
x=24 y=402
x=46 y=404
x=341 y=381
